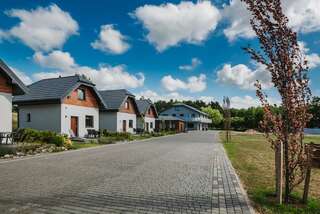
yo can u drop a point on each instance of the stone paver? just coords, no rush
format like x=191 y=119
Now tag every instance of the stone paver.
x=186 y=173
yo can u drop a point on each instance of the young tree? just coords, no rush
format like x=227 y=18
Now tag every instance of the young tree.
x=286 y=63
x=214 y=115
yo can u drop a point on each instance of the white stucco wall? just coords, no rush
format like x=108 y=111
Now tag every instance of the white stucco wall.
x=5 y=112
x=43 y=117
x=108 y=121
x=146 y=120
x=125 y=116
x=78 y=111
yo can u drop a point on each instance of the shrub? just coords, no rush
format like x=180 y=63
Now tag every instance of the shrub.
x=30 y=136
x=106 y=140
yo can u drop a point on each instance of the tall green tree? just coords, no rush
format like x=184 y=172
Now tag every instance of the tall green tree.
x=214 y=115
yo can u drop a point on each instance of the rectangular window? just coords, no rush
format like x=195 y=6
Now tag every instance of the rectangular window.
x=173 y=115
x=28 y=117
x=89 y=121
x=181 y=115
x=81 y=94
x=130 y=123
x=151 y=125
x=126 y=105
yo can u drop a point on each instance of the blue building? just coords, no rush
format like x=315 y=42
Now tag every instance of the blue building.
x=194 y=119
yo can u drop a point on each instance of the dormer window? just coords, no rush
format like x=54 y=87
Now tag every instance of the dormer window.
x=81 y=94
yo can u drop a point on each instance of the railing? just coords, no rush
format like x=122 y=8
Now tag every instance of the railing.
x=198 y=119
x=6 y=138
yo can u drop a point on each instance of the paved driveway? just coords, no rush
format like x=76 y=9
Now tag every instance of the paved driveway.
x=186 y=173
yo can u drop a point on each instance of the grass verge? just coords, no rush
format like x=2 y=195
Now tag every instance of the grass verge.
x=253 y=160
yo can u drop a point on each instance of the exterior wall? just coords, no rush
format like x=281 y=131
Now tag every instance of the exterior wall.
x=126 y=116
x=170 y=125
x=151 y=113
x=108 y=121
x=5 y=112
x=149 y=120
x=81 y=112
x=132 y=107
x=5 y=87
x=43 y=117
x=90 y=98
x=198 y=121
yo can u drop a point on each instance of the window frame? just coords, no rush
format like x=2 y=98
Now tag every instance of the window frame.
x=130 y=124
x=83 y=94
x=91 y=121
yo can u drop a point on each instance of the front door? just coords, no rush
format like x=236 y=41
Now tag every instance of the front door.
x=124 y=126
x=74 y=126
x=147 y=127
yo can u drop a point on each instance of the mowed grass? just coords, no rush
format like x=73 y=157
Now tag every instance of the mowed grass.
x=253 y=159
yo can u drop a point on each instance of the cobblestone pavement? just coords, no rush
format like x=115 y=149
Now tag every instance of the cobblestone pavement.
x=186 y=173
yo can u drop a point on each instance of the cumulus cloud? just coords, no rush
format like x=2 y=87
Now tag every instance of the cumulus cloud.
x=42 y=29
x=312 y=58
x=248 y=101
x=303 y=16
x=195 y=62
x=170 y=24
x=193 y=84
x=110 y=41
x=154 y=96
x=243 y=77
x=105 y=76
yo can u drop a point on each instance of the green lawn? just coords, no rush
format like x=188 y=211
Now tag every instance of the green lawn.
x=253 y=160
x=76 y=145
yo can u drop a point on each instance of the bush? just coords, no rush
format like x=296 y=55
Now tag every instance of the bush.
x=106 y=140
x=30 y=136
x=117 y=136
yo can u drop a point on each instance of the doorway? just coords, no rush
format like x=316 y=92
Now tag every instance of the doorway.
x=74 y=125
x=124 y=126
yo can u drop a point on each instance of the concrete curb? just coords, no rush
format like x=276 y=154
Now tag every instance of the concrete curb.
x=243 y=191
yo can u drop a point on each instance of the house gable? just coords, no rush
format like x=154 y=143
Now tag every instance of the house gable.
x=151 y=112
x=90 y=100
x=130 y=107
x=5 y=86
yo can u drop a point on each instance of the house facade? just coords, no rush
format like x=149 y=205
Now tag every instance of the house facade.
x=121 y=112
x=146 y=120
x=10 y=85
x=194 y=118
x=66 y=105
x=170 y=123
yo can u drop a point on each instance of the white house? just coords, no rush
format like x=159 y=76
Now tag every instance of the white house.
x=66 y=105
x=148 y=115
x=194 y=118
x=10 y=85
x=121 y=112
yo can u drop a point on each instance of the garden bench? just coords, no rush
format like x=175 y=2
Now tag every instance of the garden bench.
x=93 y=133
x=6 y=138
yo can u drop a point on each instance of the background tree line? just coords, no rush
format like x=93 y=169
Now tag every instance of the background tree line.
x=241 y=119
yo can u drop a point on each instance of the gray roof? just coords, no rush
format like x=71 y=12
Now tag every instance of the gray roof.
x=18 y=86
x=190 y=107
x=144 y=105
x=54 y=90
x=115 y=98
x=162 y=117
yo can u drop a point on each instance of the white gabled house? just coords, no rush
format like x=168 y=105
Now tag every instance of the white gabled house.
x=10 y=85
x=147 y=115
x=121 y=112
x=67 y=105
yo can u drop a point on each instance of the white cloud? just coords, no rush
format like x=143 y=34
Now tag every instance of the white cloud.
x=195 y=62
x=170 y=24
x=154 y=96
x=248 y=101
x=105 y=77
x=3 y=35
x=56 y=59
x=44 y=28
x=243 y=77
x=303 y=16
x=312 y=58
x=110 y=41
x=193 y=84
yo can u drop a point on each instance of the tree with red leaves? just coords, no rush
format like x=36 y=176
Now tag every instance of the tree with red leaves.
x=285 y=61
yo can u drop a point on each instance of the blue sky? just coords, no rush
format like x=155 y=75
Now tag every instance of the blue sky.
x=159 y=49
